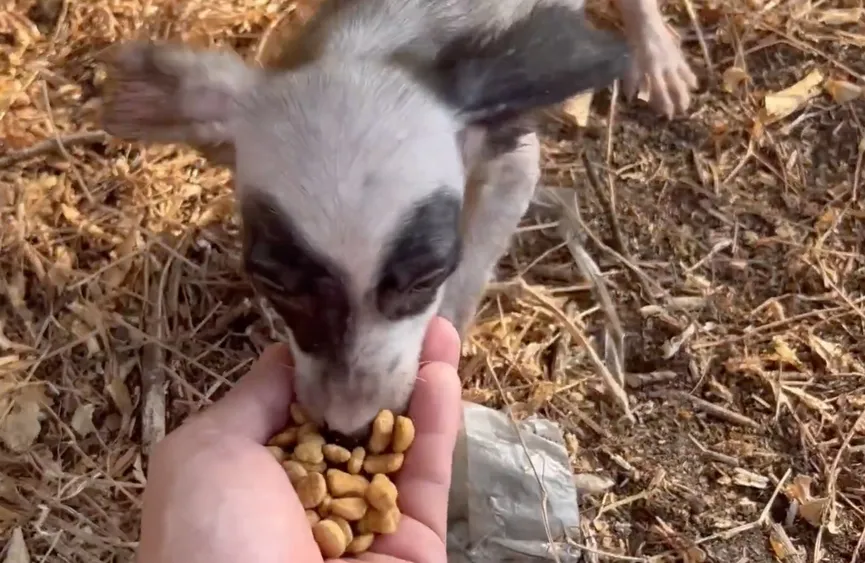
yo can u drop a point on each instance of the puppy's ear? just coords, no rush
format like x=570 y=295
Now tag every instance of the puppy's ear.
x=170 y=93
x=544 y=58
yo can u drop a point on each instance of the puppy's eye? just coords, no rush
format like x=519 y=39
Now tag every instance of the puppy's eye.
x=293 y=304
x=428 y=282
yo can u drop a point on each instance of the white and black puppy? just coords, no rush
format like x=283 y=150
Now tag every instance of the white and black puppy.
x=352 y=162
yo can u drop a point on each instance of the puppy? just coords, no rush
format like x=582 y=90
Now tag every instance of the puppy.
x=380 y=168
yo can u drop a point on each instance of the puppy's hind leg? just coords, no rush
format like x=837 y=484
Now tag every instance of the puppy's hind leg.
x=500 y=195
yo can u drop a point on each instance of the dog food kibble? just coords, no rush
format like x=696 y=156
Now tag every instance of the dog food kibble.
x=330 y=539
x=379 y=522
x=360 y=544
x=345 y=527
x=306 y=429
x=350 y=508
x=342 y=484
x=294 y=470
x=297 y=415
x=349 y=494
x=324 y=506
x=403 y=434
x=313 y=442
x=355 y=462
x=383 y=463
x=381 y=493
x=309 y=452
x=382 y=432
x=336 y=454
x=319 y=467
x=311 y=490
x=285 y=439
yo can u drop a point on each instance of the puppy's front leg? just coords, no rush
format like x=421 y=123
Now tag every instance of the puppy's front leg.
x=657 y=57
x=499 y=198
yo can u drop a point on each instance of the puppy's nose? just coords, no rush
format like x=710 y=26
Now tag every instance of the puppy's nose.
x=340 y=372
x=348 y=441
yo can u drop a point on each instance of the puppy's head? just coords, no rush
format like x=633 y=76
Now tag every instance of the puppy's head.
x=351 y=227
x=349 y=178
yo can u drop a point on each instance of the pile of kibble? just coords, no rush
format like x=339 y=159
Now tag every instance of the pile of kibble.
x=349 y=496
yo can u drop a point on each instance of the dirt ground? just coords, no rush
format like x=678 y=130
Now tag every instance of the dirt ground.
x=730 y=239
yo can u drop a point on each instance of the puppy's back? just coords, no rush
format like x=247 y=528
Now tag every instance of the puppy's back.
x=413 y=31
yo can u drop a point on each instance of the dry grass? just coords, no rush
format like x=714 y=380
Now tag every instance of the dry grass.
x=731 y=242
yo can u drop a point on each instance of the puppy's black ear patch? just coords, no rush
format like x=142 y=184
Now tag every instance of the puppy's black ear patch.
x=543 y=59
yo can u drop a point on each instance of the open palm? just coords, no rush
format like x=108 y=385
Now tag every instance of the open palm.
x=215 y=494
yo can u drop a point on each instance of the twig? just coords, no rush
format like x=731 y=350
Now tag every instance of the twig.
x=544 y=495
x=640 y=380
x=732 y=532
x=854 y=306
x=644 y=494
x=54 y=144
x=609 y=556
x=832 y=480
x=626 y=262
x=571 y=325
x=797 y=44
x=606 y=204
x=581 y=417
x=718 y=247
x=710 y=408
x=859 y=545
x=780 y=535
x=145 y=336
x=152 y=370
x=678 y=541
x=843 y=311
x=56 y=132
x=717 y=456
x=857 y=175
x=61 y=18
x=611 y=122
x=614 y=336
x=698 y=30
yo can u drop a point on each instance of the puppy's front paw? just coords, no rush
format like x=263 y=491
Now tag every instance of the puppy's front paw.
x=659 y=60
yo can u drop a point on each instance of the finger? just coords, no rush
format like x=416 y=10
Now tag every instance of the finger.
x=412 y=541
x=258 y=405
x=425 y=478
x=441 y=343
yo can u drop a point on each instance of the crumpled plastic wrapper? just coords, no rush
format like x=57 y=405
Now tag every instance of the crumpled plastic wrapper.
x=495 y=505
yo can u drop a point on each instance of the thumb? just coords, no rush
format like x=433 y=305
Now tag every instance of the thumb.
x=441 y=343
x=425 y=478
x=258 y=405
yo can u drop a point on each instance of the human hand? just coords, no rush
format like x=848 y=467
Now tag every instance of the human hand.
x=215 y=494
